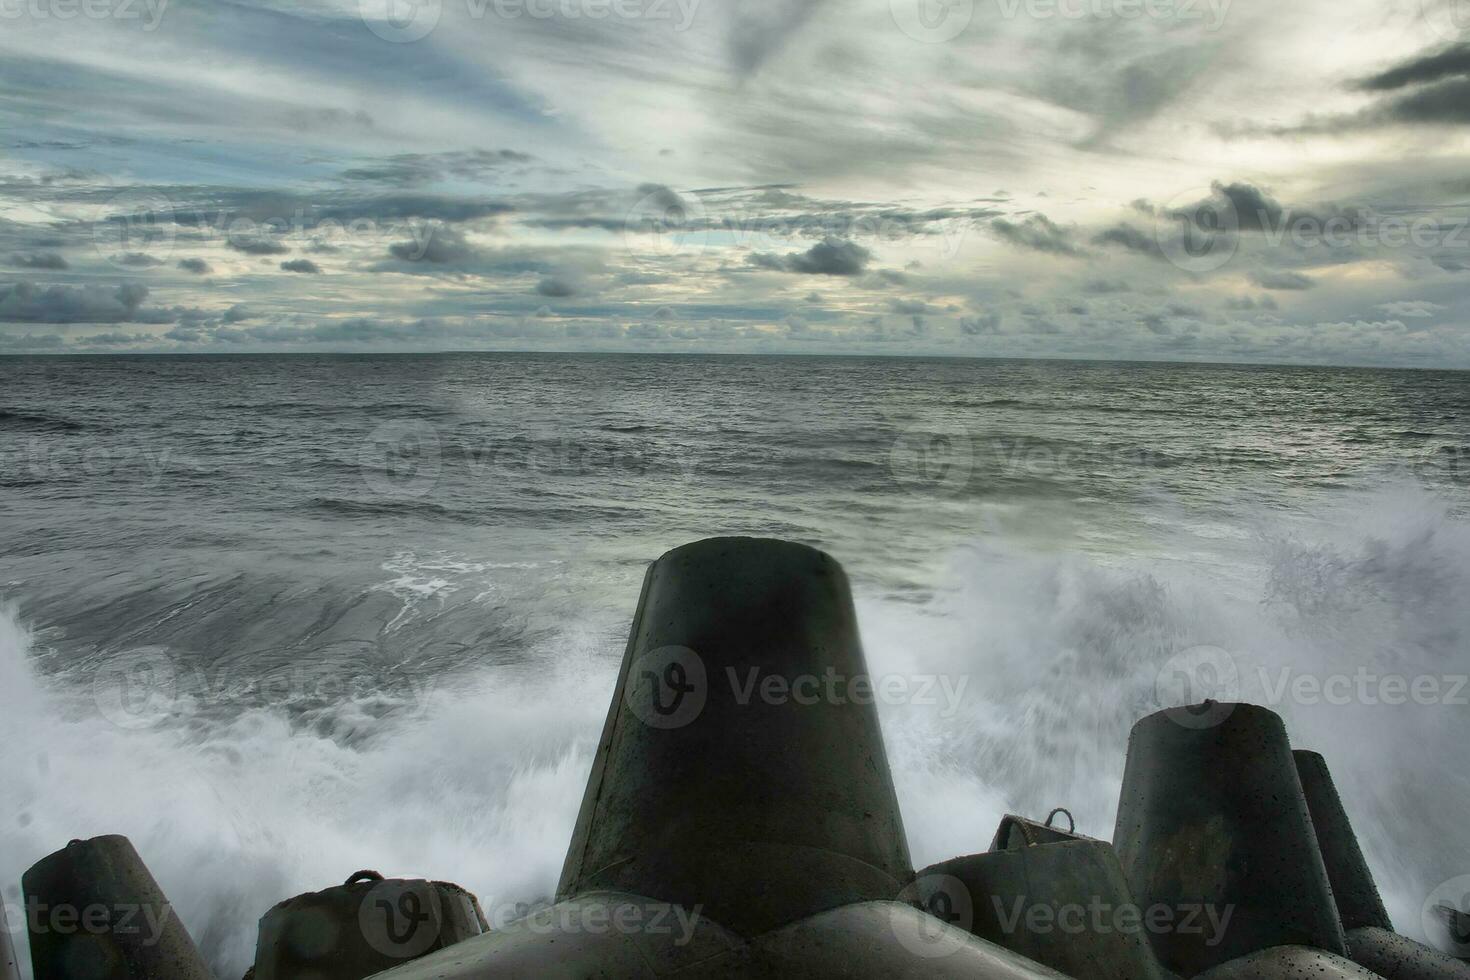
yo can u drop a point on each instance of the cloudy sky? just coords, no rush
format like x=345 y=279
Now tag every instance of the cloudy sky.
x=1175 y=179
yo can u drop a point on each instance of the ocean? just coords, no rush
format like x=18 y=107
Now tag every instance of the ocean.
x=279 y=618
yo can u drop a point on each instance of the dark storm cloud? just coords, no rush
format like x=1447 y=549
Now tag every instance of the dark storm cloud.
x=1445 y=103
x=1037 y=232
x=40 y=260
x=436 y=243
x=559 y=287
x=301 y=265
x=198 y=267
x=1255 y=210
x=829 y=257
x=26 y=302
x=1282 y=280
x=1443 y=63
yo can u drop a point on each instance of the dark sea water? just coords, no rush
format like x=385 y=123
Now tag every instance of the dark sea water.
x=281 y=618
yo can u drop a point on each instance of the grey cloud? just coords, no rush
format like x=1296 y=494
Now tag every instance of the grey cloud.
x=979 y=326
x=1444 y=63
x=1129 y=238
x=436 y=243
x=198 y=267
x=40 y=260
x=412 y=169
x=137 y=260
x=558 y=287
x=301 y=265
x=760 y=28
x=1443 y=103
x=28 y=303
x=256 y=245
x=829 y=257
x=1037 y=232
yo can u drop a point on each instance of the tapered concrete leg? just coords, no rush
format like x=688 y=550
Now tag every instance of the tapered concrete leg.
x=1212 y=823
x=1353 y=888
x=95 y=913
x=741 y=768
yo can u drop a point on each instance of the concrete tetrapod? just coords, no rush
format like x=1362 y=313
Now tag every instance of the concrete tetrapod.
x=362 y=927
x=96 y=912
x=1371 y=940
x=1062 y=901
x=740 y=818
x=1212 y=823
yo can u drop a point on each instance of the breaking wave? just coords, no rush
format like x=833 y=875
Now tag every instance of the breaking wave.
x=1042 y=660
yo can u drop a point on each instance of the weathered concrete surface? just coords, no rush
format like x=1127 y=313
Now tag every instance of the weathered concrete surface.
x=99 y=914
x=362 y=927
x=1289 y=963
x=877 y=940
x=1065 y=904
x=1212 y=818
x=741 y=768
x=1353 y=888
x=1396 y=957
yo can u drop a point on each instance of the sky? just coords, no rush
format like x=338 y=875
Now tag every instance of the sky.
x=1222 y=180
